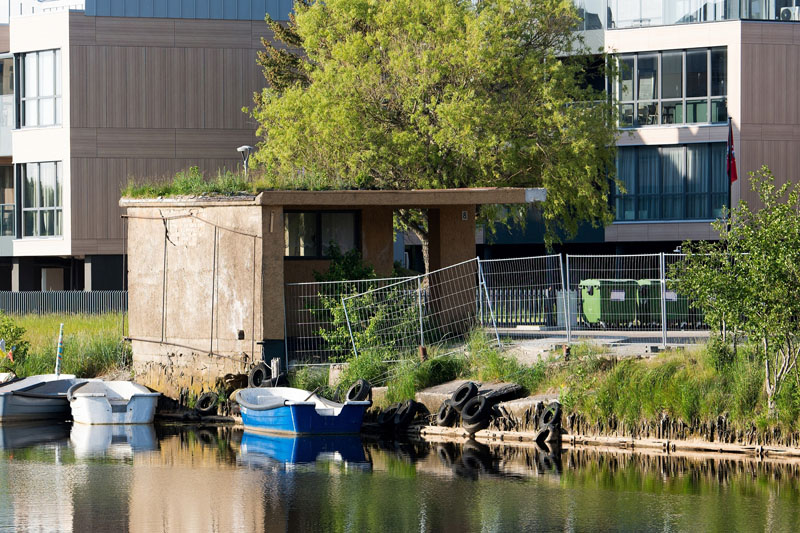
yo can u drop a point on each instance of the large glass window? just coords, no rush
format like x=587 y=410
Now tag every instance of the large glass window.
x=692 y=87
x=310 y=233
x=7 y=120
x=41 y=199
x=40 y=86
x=680 y=182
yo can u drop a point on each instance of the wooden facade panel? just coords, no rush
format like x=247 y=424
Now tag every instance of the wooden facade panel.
x=138 y=78
x=214 y=90
x=194 y=68
x=78 y=90
x=80 y=197
x=117 y=87
x=208 y=143
x=97 y=74
x=259 y=30
x=81 y=30
x=5 y=38
x=155 y=89
x=83 y=142
x=176 y=87
x=199 y=33
x=135 y=32
x=234 y=79
x=127 y=142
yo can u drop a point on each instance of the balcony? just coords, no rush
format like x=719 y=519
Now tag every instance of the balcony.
x=618 y=14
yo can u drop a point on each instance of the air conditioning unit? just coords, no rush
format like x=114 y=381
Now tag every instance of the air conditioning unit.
x=790 y=13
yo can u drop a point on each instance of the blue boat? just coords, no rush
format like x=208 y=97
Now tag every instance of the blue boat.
x=257 y=447
x=298 y=412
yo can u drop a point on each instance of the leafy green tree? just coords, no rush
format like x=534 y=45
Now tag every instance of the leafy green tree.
x=403 y=94
x=750 y=278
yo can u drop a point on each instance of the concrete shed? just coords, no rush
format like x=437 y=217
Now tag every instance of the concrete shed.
x=206 y=275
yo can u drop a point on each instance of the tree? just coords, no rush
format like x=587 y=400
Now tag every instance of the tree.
x=403 y=94
x=750 y=278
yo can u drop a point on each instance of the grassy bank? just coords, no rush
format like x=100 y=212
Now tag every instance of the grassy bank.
x=92 y=345
x=694 y=386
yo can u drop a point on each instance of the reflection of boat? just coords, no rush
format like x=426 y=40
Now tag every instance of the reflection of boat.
x=116 y=440
x=26 y=434
x=112 y=402
x=36 y=397
x=287 y=410
x=256 y=447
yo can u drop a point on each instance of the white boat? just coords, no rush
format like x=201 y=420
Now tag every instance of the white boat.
x=118 y=441
x=112 y=402
x=36 y=397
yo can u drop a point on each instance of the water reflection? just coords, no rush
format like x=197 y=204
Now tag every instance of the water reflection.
x=179 y=478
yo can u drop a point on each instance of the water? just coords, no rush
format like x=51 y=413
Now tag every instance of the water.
x=171 y=478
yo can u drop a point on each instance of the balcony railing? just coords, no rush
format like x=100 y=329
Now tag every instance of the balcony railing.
x=615 y=14
x=7 y=218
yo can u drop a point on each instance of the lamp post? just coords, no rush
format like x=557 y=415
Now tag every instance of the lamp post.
x=245 y=150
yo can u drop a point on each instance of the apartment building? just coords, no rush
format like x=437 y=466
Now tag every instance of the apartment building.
x=97 y=93
x=686 y=67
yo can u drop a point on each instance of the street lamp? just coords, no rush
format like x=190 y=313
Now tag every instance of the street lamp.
x=245 y=150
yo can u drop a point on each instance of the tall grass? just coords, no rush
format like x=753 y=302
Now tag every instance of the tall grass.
x=92 y=345
x=189 y=182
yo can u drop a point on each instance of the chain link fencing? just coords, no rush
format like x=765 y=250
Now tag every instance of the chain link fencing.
x=611 y=299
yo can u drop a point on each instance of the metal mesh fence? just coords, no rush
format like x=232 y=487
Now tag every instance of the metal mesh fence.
x=527 y=296
x=608 y=298
x=316 y=329
x=77 y=302
x=435 y=309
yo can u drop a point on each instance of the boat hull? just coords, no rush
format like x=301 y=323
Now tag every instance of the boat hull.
x=16 y=407
x=305 y=449
x=303 y=419
x=99 y=409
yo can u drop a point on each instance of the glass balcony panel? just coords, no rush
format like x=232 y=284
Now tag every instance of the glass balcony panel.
x=626 y=116
x=719 y=71
x=672 y=112
x=647 y=77
x=7 y=220
x=648 y=114
x=696 y=111
x=625 y=84
x=696 y=73
x=29 y=223
x=719 y=110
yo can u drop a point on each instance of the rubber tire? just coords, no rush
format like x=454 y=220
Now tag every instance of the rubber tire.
x=258 y=376
x=446 y=416
x=445 y=454
x=551 y=416
x=475 y=410
x=477 y=426
x=386 y=417
x=405 y=414
x=359 y=392
x=463 y=394
x=207 y=404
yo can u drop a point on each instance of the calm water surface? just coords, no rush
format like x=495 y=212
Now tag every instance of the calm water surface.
x=170 y=478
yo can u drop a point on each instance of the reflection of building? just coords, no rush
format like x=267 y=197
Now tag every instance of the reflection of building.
x=686 y=66
x=115 y=91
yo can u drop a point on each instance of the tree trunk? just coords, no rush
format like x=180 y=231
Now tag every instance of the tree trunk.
x=426 y=250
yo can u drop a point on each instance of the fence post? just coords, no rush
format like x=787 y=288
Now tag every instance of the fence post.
x=419 y=304
x=564 y=295
x=349 y=329
x=569 y=303
x=482 y=281
x=663 y=300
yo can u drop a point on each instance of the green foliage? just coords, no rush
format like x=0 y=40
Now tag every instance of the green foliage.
x=488 y=363
x=402 y=94
x=409 y=376
x=720 y=352
x=190 y=182
x=345 y=266
x=750 y=279
x=371 y=365
x=310 y=378
x=14 y=336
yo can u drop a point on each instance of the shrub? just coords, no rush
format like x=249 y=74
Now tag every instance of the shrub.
x=13 y=334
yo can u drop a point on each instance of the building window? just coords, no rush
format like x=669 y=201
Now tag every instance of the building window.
x=681 y=182
x=7 y=120
x=41 y=199
x=7 y=201
x=673 y=87
x=309 y=234
x=40 y=88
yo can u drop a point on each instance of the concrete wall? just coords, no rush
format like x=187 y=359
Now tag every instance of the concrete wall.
x=195 y=281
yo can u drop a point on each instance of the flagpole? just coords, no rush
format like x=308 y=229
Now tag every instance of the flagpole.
x=728 y=155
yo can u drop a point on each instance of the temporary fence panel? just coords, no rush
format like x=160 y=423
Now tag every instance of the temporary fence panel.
x=316 y=329
x=75 y=302
x=437 y=309
x=526 y=295
x=685 y=323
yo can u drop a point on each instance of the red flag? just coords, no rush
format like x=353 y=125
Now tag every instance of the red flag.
x=731 y=154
